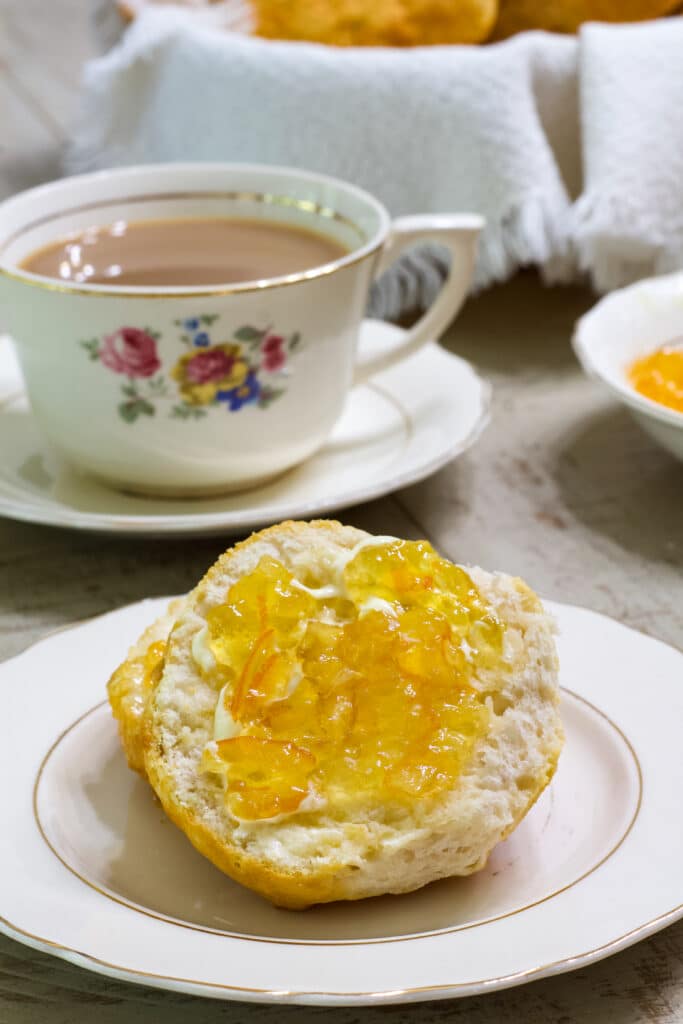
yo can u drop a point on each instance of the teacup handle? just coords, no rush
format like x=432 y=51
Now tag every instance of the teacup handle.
x=459 y=233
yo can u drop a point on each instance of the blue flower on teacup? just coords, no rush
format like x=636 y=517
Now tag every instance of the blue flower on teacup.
x=247 y=392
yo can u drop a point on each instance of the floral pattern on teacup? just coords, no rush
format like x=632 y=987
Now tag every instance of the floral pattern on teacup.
x=131 y=351
x=250 y=368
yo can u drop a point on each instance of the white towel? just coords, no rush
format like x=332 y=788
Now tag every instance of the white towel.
x=497 y=130
x=628 y=222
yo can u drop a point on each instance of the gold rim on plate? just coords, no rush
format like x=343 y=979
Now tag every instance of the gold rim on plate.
x=330 y=942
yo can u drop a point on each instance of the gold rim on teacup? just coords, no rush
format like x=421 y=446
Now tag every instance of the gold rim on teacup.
x=268 y=198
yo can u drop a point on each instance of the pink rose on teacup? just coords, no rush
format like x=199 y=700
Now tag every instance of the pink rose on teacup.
x=131 y=351
x=273 y=356
x=209 y=366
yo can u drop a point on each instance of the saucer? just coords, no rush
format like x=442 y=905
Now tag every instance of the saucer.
x=93 y=872
x=403 y=425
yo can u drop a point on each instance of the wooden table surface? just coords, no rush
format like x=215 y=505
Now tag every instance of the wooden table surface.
x=563 y=489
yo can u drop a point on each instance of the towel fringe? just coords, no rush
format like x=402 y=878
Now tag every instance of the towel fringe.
x=535 y=233
x=615 y=246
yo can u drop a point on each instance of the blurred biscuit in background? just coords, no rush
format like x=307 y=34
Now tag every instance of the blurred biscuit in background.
x=381 y=23
x=401 y=22
x=567 y=15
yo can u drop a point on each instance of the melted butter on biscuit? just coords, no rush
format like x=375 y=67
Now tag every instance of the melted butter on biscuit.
x=224 y=725
x=201 y=651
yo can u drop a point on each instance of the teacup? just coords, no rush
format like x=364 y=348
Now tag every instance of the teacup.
x=109 y=369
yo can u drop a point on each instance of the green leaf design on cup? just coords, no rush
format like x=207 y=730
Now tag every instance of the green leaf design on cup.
x=129 y=411
x=248 y=334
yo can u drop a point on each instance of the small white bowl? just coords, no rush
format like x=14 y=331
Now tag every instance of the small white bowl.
x=623 y=326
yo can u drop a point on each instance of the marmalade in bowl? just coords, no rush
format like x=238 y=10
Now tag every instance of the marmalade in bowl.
x=659 y=376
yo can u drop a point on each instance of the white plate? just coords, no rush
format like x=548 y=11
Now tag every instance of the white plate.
x=404 y=425
x=91 y=871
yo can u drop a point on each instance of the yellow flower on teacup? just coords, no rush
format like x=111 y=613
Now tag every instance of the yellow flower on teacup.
x=202 y=374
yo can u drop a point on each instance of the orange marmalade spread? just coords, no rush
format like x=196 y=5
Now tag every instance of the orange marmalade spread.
x=659 y=376
x=356 y=691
